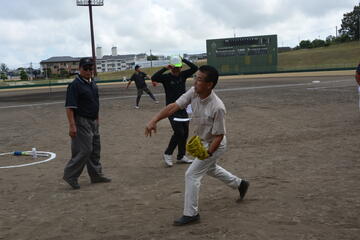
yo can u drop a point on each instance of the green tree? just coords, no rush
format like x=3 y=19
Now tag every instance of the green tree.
x=305 y=44
x=329 y=40
x=318 y=43
x=342 y=38
x=23 y=75
x=4 y=68
x=3 y=76
x=152 y=57
x=350 y=24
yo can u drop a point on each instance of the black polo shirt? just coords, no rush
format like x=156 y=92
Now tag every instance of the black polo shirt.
x=175 y=86
x=139 y=78
x=83 y=97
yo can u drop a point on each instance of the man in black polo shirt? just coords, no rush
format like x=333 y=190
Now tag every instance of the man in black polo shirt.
x=139 y=78
x=82 y=110
x=174 y=85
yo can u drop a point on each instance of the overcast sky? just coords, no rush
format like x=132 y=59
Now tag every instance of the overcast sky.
x=34 y=30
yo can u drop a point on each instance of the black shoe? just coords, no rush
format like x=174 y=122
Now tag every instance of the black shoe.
x=243 y=187
x=187 y=220
x=100 y=180
x=72 y=182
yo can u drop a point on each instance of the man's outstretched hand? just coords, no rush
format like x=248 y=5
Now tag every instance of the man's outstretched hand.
x=150 y=127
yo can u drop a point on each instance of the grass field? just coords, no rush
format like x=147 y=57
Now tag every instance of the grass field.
x=336 y=56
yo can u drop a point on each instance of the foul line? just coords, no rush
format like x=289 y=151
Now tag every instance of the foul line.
x=161 y=94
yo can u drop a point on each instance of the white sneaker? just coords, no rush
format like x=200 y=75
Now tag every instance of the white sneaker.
x=185 y=159
x=168 y=160
x=137 y=107
x=156 y=101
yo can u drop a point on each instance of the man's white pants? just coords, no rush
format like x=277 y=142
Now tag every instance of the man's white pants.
x=195 y=173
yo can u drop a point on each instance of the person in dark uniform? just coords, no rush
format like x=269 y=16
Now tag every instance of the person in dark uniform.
x=174 y=86
x=139 y=78
x=82 y=110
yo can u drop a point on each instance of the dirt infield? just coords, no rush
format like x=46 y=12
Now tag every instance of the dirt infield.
x=296 y=141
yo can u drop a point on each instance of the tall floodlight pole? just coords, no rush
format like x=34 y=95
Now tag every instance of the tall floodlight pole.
x=359 y=26
x=90 y=4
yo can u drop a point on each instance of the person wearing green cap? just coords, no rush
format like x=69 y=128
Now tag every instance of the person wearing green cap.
x=174 y=85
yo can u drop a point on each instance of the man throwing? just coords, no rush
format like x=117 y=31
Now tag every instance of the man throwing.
x=209 y=119
x=139 y=78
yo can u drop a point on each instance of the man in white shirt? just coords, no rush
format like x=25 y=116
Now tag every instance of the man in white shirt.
x=209 y=119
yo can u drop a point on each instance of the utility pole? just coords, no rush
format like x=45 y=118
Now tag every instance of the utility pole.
x=150 y=59
x=46 y=76
x=92 y=37
x=90 y=4
x=336 y=31
x=31 y=71
x=359 y=26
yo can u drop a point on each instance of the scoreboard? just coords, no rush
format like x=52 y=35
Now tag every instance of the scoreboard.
x=255 y=54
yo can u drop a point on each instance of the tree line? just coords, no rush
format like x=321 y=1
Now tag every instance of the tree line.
x=349 y=31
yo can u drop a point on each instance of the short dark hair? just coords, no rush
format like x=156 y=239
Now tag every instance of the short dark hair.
x=212 y=75
x=137 y=67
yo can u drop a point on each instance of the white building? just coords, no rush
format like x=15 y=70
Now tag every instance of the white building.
x=115 y=62
x=153 y=63
x=99 y=52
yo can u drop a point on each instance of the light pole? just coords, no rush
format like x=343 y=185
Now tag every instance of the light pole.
x=91 y=3
x=150 y=60
x=359 y=26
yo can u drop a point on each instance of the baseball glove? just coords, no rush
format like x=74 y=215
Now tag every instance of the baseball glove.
x=196 y=149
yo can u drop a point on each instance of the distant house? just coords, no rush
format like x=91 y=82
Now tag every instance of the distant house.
x=195 y=57
x=56 y=65
x=284 y=49
x=104 y=63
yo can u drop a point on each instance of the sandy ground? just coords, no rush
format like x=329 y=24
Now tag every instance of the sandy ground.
x=296 y=141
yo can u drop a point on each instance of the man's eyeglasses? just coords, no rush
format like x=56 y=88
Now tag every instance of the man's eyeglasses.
x=87 y=68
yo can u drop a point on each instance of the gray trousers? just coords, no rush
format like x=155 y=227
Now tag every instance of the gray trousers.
x=197 y=170
x=85 y=150
x=140 y=92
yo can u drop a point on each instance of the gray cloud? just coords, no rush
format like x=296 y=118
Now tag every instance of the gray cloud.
x=23 y=10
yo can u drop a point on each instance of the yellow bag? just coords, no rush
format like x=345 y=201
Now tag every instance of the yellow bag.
x=196 y=149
